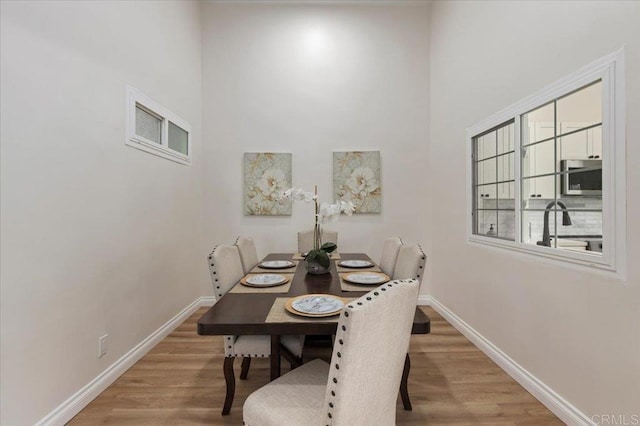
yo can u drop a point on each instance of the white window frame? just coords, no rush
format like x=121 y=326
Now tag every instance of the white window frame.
x=136 y=97
x=610 y=69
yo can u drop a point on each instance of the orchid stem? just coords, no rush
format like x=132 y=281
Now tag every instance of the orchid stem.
x=317 y=243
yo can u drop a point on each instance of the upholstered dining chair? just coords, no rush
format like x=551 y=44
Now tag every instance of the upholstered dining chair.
x=390 y=248
x=360 y=385
x=248 y=253
x=410 y=263
x=305 y=239
x=226 y=270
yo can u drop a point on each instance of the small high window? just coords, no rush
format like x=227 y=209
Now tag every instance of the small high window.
x=154 y=129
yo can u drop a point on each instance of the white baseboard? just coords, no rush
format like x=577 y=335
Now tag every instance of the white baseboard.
x=72 y=406
x=206 y=301
x=554 y=402
x=543 y=393
x=424 y=300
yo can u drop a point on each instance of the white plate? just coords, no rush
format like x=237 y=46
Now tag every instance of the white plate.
x=366 y=278
x=355 y=263
x=265 y=280
x=276 y=264
x=318 y=304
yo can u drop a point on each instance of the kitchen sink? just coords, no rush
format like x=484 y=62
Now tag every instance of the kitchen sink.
x=569 y=244
x=579 y=243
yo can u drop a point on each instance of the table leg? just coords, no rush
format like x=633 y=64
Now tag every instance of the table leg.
x=275 y=356
x=404 y=390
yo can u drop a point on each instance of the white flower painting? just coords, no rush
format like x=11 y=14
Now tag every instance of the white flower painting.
x=356 y=178
x=266 y=175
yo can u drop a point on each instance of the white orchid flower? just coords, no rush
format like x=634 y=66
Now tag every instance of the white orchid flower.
x=329 y=212
x=325 y=212
x=297 y=194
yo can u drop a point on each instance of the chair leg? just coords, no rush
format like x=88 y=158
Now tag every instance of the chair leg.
x=246 y=363
x=297 y=362
x=294 y=361
x=230 y=379
x=404 y=390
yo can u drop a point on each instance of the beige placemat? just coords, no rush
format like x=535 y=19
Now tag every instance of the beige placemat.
x=284 y=288
x=278 y=313
x=373 y=268
x=258 y=270
x=298 y=256
x=347 y=286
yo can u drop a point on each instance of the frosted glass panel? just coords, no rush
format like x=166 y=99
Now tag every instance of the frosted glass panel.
x=178 y=139
x=148 y=125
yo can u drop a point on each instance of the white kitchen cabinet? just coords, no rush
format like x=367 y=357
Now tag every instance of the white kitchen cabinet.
x=495 y=163
x=487 y=175
x=505 y=162
x=537 y=160
x=584 y=144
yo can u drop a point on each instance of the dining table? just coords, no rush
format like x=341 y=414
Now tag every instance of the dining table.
x=257 y=311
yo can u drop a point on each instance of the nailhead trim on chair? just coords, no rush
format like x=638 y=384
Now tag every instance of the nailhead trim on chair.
x=424 y=260
x=214 y=272
x=229 y=353
x=336 y=366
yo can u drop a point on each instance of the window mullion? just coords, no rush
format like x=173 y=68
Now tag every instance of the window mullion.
x=496 y=184
x=555 y=177
x=165 y=132
x=608 y=166
x=517 y=159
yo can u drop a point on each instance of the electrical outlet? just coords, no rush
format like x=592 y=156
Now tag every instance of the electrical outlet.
x=103 y=345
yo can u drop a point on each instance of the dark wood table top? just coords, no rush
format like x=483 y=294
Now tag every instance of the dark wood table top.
x=242 y=313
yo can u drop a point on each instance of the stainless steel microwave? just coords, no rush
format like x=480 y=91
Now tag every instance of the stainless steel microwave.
x=581 y=177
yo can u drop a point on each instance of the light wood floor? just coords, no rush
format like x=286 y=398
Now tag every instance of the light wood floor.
x=180 y=381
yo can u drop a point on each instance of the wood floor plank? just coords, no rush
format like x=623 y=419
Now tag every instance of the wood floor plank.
x=180 y=382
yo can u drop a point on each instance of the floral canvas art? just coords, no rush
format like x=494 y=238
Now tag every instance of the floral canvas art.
x=356 y=178
x=266 y=175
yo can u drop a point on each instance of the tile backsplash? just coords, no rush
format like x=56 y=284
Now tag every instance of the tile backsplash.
x=582 y=223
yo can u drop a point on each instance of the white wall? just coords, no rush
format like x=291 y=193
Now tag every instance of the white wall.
x=310 y=80
x=575 y=329
x=97 y=237
x=101 y=238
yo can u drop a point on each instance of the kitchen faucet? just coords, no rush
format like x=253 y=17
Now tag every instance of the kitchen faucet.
x=566 y=221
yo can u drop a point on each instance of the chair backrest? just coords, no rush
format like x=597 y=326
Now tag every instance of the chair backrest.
x=410 y=263
x=225 y=268
x=248 y=253
x=305 y=239
x=390 y=248
x=368 y=356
